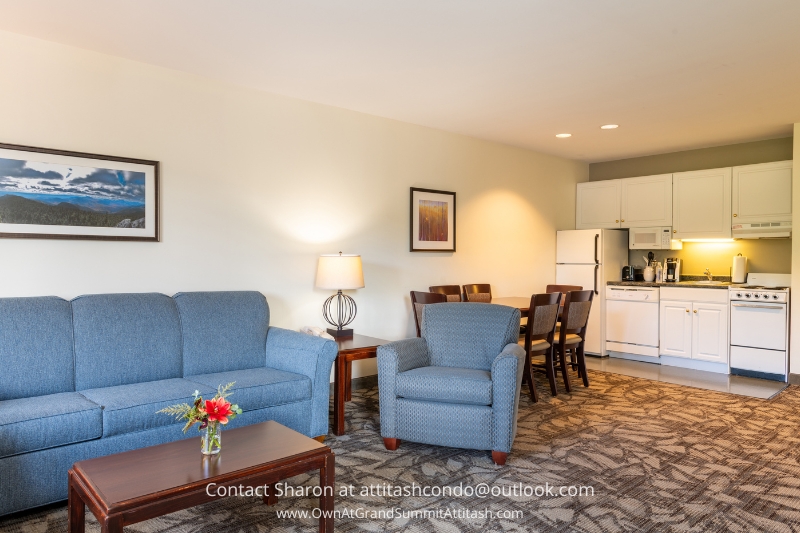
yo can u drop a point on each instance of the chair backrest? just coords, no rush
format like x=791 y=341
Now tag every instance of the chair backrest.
x=478 y=292
x=418 y=302
x=563 y=289
x=453 y=292
x=575 y=315
x=542 y=318
x=468 y=335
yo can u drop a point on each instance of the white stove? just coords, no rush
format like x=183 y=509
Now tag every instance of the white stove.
x=759 y=314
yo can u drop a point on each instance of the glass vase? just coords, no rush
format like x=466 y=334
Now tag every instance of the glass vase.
x=211 y=440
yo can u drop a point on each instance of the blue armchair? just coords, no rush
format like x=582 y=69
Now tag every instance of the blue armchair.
x=458 y=384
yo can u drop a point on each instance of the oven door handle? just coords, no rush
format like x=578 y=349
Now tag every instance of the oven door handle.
x=758 y=306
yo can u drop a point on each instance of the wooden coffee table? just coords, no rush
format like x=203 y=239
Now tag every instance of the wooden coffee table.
x=351 y=349
x=130 y=487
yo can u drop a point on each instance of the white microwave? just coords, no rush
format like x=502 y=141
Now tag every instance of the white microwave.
x=655 y=238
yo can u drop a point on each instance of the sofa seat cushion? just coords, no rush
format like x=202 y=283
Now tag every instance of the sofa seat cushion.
x=258 y=388
x=446 y=384
x=32 y=424
x=132 y=407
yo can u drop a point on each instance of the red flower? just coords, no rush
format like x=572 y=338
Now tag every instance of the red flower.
x=218 y=410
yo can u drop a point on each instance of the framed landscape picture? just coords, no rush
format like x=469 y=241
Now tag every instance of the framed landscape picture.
x=433 y=220
x=55 y=194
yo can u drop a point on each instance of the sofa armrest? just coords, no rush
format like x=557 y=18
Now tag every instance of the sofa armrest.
x=310 y=356
x=506 y=383
x=393 y=358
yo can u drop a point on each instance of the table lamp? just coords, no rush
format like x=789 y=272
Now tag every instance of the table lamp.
x=339 y=272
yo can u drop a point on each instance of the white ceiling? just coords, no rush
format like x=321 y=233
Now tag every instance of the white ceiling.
x=675 y=74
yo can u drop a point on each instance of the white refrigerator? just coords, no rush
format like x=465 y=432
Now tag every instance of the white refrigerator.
x=590 y=258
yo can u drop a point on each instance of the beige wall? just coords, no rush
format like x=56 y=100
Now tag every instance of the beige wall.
x=255 y=186
x=763 y=255
x=717 y=157
x=794 y=357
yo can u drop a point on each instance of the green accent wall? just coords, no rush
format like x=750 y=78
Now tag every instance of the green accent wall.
x=763 y=255
x=716 y=157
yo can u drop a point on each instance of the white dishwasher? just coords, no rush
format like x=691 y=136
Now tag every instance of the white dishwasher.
x=632 y=322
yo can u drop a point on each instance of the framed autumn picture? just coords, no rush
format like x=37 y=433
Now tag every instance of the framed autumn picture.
x=433 y=220
x=56 y=194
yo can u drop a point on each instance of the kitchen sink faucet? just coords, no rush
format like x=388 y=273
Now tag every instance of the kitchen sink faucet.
x=707 y=272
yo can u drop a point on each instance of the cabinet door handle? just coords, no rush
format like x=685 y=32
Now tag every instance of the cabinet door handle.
x=674 y=231
x=617 y=221
x=623 y=220
x=735 y=215
x=695 y=310
x=687 y=310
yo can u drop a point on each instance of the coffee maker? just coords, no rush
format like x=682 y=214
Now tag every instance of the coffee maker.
x=672 y=269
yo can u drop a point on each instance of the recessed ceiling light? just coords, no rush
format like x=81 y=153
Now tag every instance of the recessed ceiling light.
x=609 y=127
x=563 y=135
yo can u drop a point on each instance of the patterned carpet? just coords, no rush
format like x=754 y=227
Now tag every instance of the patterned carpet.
x=659 y=457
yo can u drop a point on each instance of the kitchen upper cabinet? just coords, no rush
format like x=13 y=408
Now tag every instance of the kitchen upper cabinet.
x=762 y=193
x=701 y=204
x=710 y=332
x=597 y=205
x=646 y=201
x=675 y=328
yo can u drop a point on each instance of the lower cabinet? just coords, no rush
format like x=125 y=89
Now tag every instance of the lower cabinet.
x=693 y=328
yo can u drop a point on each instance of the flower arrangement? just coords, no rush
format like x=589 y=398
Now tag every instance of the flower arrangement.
x=210 y=414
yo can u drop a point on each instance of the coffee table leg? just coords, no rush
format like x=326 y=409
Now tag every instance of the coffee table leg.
x=111 y=524
x=339 y=395
x=271 y=497
x=77 y=510
x=327 y=481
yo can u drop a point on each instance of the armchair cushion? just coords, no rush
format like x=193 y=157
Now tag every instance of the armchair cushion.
x=446 y=384
x=468 y=335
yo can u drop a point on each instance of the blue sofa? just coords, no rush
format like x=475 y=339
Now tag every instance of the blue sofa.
x=85 y=378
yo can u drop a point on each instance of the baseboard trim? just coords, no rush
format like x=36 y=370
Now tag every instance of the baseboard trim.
x=364 y=382
x=794 y=379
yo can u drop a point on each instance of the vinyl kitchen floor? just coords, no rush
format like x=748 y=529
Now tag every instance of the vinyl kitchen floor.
x=755 y=388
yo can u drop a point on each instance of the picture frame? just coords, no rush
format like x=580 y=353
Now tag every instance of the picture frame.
x=433 y=220
x=60 y=194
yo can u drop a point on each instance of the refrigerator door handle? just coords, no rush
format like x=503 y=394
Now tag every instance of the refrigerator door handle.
x=596 y=268
x=596 y=260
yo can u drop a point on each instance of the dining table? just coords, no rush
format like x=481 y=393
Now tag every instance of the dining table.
x=523 y=303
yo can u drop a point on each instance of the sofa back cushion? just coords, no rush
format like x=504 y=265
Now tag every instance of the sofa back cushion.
x=35 y=347
x=468 y=335
x=125 y=338
x=223 y=331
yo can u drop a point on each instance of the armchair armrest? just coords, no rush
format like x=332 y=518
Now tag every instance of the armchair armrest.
x=507 y=370
x=394 y=358
x=310 y=356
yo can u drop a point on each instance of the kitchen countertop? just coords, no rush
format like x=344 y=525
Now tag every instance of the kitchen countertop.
x=689 y=284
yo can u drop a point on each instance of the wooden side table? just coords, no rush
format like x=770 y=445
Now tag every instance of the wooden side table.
x=351 y=349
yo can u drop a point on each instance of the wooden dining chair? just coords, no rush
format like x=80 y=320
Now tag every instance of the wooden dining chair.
x=453 y=292
x=572 y=336
x=542 y=316
x=418 y=302
x=478 y=292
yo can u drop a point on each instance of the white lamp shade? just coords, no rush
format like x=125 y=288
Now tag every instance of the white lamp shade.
x=340 y=272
